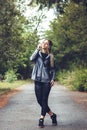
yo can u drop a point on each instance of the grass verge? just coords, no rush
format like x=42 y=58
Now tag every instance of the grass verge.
x=6 y=86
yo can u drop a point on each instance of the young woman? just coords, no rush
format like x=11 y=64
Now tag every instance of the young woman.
x=43 y=75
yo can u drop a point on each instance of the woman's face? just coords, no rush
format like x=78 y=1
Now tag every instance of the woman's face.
x=45 y=44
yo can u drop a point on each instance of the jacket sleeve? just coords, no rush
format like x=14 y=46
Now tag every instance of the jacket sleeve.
x=34 y=55
x=53 y=73
x=52 y=64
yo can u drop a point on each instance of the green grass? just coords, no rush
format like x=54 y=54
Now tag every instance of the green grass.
x=6 y=86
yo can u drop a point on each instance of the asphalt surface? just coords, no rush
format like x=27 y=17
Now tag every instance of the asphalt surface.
x=22 y=111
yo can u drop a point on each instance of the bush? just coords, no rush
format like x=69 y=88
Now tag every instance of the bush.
x=10 y=76
x=62 y=76
x=80 y=82
x=76 y=79
x=66 y=77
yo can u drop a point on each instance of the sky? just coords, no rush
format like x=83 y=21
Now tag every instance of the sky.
x=45 y=22
x=50 y=15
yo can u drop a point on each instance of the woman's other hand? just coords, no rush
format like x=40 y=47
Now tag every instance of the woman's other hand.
x=52 y=83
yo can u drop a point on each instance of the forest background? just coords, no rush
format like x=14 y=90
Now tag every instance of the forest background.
x=68 y=31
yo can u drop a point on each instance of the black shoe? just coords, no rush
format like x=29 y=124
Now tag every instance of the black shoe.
x=54 y=119
x=41 y=122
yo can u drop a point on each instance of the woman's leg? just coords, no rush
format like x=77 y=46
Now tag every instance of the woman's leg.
x=45 y=107
x=45 y=95
x=38 y=92
x=42 y=91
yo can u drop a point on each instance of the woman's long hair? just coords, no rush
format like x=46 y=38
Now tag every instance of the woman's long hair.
x=51 y=54
x=50 y=46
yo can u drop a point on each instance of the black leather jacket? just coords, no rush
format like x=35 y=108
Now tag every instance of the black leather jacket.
x=42 y=70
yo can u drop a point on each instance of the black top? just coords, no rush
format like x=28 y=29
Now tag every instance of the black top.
x=44 y=55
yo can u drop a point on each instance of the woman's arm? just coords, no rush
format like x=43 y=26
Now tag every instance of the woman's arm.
x=52 y=69
x=34 y=55
x=52 y=73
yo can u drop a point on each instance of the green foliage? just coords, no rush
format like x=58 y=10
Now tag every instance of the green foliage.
x=80 y=82
x=10 y=76
x=59 y=4
x=11 y=27
x=75 y=80
x=17 y=39
x=68 y=33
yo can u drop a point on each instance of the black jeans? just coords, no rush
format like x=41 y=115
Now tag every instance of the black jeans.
x=42 y=91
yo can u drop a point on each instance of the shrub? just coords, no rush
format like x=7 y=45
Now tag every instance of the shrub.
x=61 y=76
x=10 y=76
x=76 y=79
x=80 y=82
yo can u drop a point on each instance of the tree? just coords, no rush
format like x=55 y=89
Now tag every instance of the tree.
x=68 y=32
x=11 y=29
x=59 y=4
x=18 y=38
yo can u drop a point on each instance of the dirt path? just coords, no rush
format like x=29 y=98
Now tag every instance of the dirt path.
x=21 y=111
x=4 y=98
x=80 y=98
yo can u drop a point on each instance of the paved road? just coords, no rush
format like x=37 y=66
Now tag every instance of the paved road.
x=22 y=111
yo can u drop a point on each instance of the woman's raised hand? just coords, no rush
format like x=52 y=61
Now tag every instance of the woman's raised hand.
x=39 y=46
